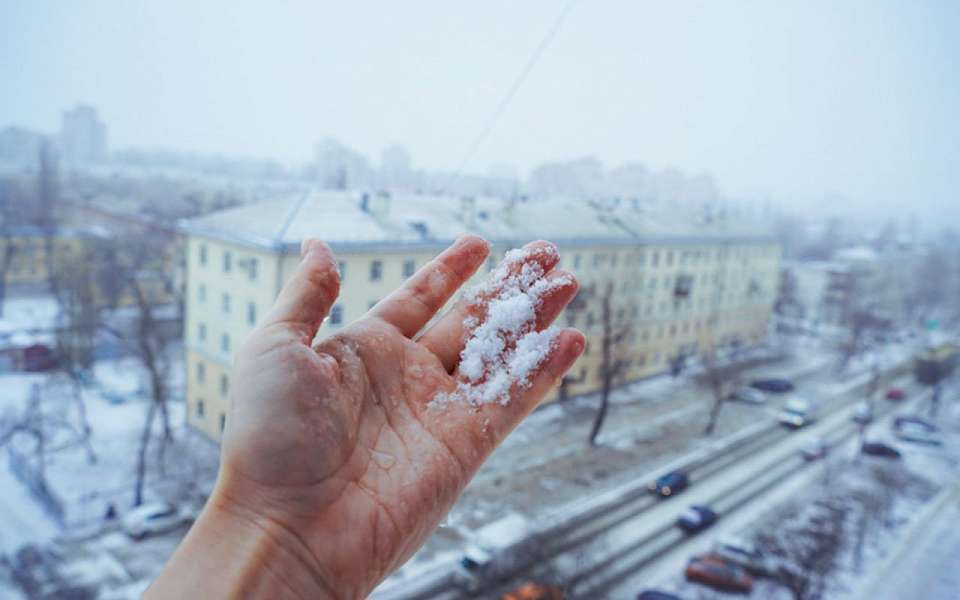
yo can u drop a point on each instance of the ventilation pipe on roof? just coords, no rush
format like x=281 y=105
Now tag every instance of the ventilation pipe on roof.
x=468 y=212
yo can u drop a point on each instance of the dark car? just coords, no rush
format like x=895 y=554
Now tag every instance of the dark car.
x=696 y=518
x=879 y=449
x=719 y=574
x=895 y=394
x=670 y=483
x=775 y=385
x=657 y=595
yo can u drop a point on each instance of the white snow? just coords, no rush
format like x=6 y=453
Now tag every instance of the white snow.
x=503 y=347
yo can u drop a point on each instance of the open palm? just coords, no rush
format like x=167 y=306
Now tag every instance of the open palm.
x=335 y=446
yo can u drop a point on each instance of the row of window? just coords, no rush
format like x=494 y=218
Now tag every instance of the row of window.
x=250 y=265
x=201 y=413
x=669 y=257
x=226 y=304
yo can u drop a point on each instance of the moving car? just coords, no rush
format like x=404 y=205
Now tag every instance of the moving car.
x=657 y=595
x=912 y=432
x=815 y=449
x=773 y=384
x=696 y=518
x=895 y=394
x=718 y=573
x=862 y=413
x=670 y=484
x=534 y=591
x=495 y=550
x=880 y=449
x=798 y=412
x=748 y=395
x=156 y=517
x=913 y=421
x=745 y=555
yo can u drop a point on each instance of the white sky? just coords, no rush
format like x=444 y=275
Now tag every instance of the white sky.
x=795 y=99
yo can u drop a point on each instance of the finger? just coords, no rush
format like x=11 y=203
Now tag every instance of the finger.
x=306 y=299
x=446 y=337
x=473 y=432
x=411 y=306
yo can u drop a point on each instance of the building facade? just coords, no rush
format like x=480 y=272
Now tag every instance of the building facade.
x=677 y=285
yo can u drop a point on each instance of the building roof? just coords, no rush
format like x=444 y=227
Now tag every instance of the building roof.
x=358 y=219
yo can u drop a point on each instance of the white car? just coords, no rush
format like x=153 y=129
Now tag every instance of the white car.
x=862 y=413
x=744 y=554
x=910 y=432
x=748 y=395
x=156 y=517
x=815 y=449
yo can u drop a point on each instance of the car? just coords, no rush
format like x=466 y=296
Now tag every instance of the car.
x=744 y=554
x=880 y=449
x=815 y=449
x=775 y=385
x=911 y=432
x=862 y=413
x=718 y=573
x=670 y=484
x=797 y=412
x=152 y=518
x=696 y=518
x=895 y=394
x=657 y=595
x=748 y=395
x=534 y=591
x=913 y=421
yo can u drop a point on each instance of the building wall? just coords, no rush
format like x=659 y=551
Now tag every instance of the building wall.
x=731 y=296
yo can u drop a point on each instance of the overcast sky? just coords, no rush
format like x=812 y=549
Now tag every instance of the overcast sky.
x=792 y=99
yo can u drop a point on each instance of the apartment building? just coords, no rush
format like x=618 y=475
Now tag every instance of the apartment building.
x=677 y=282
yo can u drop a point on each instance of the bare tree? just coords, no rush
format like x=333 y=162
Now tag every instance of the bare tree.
x=808 y=548
x=717 y=380
x=12 y=202
x=614 y=354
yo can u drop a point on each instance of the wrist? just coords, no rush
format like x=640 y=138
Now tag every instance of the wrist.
x=231 y=552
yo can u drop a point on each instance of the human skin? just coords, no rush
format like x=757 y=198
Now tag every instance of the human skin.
x=334 y=466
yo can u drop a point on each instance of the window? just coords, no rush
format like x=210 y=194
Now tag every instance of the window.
x=203 y=254
x=224 y=385
x=200 y=407
x=252 y=269
x=683 y=285
x=223 y=422
x=225 y=342
x=227 y=261
x=252 y=313
x=202 y=293
x=226 y=302
x=409 y=267
x=336 y=315
x=655 y=259
x=342 y=268
x=201 y=372
x=202 y=332
x=576 y=261
x=376 y=270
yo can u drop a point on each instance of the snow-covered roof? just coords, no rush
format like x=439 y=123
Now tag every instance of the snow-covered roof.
x=352 y=218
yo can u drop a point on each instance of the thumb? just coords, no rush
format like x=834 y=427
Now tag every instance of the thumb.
x=306 y=298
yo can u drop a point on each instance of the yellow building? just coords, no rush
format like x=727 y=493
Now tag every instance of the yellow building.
x=28 y=247
x=680 y=282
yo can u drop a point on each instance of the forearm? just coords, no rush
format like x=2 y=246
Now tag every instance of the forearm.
x=229 y=555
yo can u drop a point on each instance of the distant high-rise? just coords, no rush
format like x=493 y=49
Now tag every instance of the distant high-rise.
x=395 y=171
x=83 y=137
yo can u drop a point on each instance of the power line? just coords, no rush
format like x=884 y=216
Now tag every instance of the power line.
x=531 y=62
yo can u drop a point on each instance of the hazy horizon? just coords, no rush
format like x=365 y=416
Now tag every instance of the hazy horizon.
x=797 y=101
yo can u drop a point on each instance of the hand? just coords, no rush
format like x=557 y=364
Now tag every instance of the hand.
x=334 y=458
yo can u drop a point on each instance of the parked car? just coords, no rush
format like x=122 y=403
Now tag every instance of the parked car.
x=494 y=550
x=798 y=412
x=744 y=554
x=913 y=421
x=670 y=484
x=911 y=432
x=895 y=394
x=156 y=517
x=696 y=518
x=862 y=413
x=773 y=384
x=719 y=574
x=748 y=395
x=815 y=449
x=534 y=591
x=657 y=595
x=880 y=449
